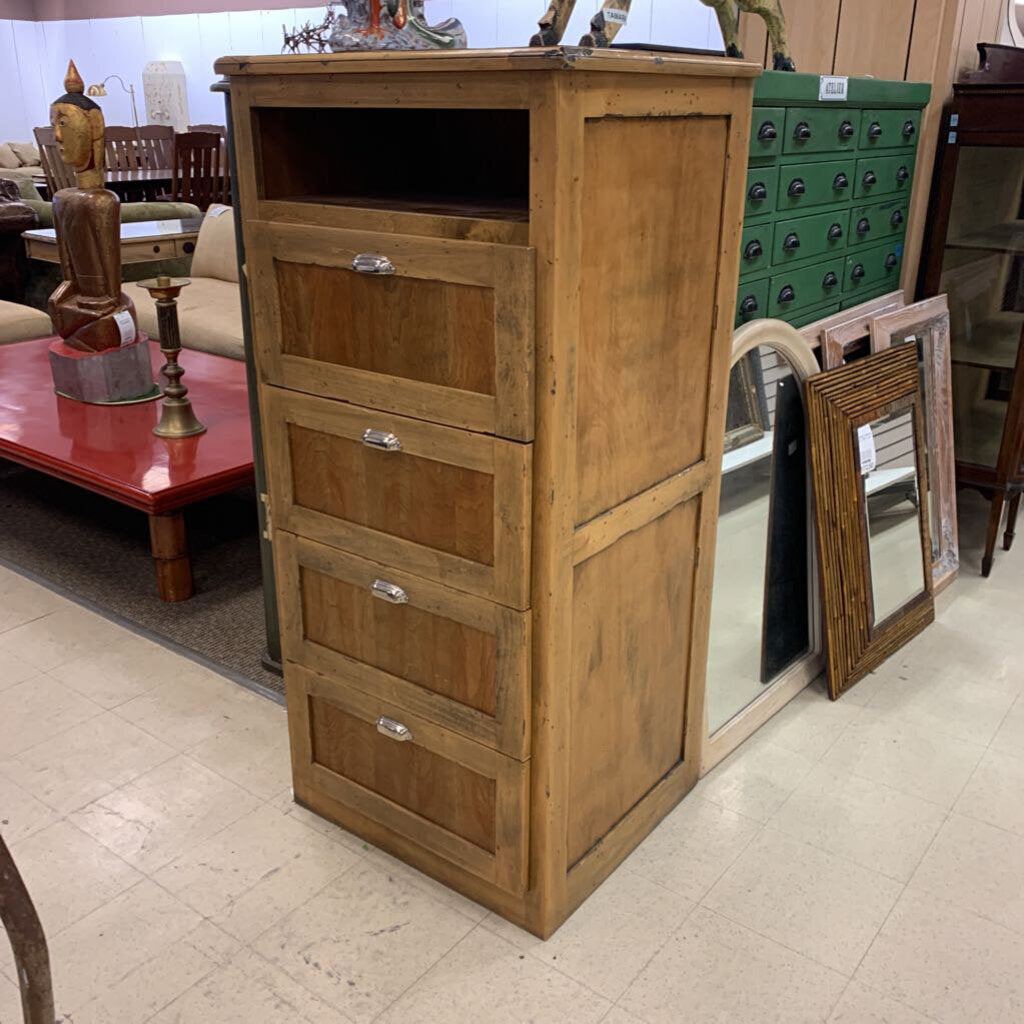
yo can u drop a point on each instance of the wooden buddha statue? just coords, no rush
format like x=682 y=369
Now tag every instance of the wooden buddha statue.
x=88 y=309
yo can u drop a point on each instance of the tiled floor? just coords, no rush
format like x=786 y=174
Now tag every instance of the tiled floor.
x=855 y=863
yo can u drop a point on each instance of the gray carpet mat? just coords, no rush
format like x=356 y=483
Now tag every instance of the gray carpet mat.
x=97 y=551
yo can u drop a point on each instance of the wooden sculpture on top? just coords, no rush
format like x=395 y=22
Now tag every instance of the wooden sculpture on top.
x=88 y=309
x=605 y=25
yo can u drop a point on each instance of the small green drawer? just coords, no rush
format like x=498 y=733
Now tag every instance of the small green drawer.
x=755 y=248
x=878 y=222
x=802 y=289
x=889 y=129
x=766 y=131
x=809 y=316
x=796 y=238
x=761 y=181
x=752 y=301
x=820 y=130
x=867 y=269
x=802 y=186
x=883 y=175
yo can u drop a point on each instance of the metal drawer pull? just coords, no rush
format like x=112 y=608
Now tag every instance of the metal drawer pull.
x=788 y=294
x=839 y=182
x=802 y=132
x=908 y=129
x=791 y=242
x=753 y=250
x=748 y=305
x=390 y=592
x=869 y=179
x=767 y=132
x=858 y=272
x=383 y=440
x=758 y=193
x=829 y=280
x=891 y=261
x=902 y=174
x=863 y=226
x=896 y=219
x=371 y=263
x=393 y=730
x=846 y=130
x=874 y=130
x=835 y=232
x=797 y=187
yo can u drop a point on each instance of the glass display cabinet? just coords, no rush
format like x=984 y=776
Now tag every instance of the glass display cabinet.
x=974 y=252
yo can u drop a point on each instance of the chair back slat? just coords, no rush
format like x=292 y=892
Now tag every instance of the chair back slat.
x=58 y=174
x=199 y=174
x=122 y=148
x=157 y=144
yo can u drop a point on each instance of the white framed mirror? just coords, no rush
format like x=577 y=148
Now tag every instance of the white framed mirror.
x=764 y=644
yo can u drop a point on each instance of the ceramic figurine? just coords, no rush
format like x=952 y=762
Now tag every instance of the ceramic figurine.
x=393 y=25
x=88 y=309
x=605 y=25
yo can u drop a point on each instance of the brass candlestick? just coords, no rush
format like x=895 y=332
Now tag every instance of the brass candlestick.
x=177 y=418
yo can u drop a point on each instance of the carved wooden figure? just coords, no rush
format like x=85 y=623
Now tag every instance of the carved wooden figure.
x=605 y=25
x=88 y=309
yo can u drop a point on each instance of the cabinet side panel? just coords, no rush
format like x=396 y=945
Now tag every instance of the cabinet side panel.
x=652 y=209
x=631 y=641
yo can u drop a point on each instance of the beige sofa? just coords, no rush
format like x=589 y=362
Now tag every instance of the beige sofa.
x=210 y=308
x=19 y=323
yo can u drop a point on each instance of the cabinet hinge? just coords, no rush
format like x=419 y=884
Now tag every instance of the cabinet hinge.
x=268 y=525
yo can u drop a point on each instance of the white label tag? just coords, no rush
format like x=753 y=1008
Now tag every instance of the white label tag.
x=866 y=440
x=614 y=16
x=954 y=120
x=952 y=138
x=216 y=211
x=126 y=325
x=833 y=87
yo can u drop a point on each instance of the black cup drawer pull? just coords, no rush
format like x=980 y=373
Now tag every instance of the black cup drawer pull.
x=846 y=130
x=753 y=250
x=902 y=174
x=786 y=295
x=758 y=192
x=908 y=129
x=829 y=280
x=869 y=179
x=767 y=132
x=797 y=187
x=839 y=182
x=874 y=130
x=896 y=219
x=835 y=232
x=748 y=305
x=791 y=242
x=802 y=132
x=863 y=226
x=890 y=261
x=858 y=272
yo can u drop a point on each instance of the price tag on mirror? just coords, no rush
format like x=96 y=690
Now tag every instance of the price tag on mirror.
x=866 y=441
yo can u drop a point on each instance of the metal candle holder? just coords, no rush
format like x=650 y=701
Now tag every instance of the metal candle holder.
x=176 y=418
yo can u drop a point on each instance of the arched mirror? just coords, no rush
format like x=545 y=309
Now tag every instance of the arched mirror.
x=763 y=647
x=1015 y=21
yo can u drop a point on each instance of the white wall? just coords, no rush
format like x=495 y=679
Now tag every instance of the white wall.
x=34 y=55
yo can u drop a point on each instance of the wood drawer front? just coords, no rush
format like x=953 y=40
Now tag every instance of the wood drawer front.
x=448 y=505
x=449 y=657
x=460 y=800
x=446 y=335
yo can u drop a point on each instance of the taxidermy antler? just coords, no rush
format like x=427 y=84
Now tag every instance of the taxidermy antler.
x=604 y=26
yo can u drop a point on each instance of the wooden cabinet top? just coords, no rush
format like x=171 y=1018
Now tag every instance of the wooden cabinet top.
x=559 y=58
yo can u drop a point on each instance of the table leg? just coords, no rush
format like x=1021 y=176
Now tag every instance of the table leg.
x=169 y=545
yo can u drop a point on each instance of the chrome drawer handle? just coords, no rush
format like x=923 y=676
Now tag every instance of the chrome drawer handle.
x=390 y=592
x=371 y=263
x=382 y=440
x=393 y=730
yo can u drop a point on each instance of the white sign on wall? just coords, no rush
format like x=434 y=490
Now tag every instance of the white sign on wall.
x=163 y=82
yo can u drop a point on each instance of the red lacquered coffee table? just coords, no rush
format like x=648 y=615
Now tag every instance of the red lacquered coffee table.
x=112 y=450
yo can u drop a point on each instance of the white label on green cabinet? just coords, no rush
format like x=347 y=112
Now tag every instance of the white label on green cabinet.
x=833 y=87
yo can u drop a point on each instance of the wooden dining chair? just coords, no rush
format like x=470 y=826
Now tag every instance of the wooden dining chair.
x=199 y=174
x=58 y=174
x=122 y=148
x=157 y=146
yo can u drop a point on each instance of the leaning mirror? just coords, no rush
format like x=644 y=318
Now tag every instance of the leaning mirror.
x=866 y=433
x=764 y=606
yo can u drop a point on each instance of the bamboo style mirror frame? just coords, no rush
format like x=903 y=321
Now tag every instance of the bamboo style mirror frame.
x=925 y=326
x=795 y=363
x=865 y=622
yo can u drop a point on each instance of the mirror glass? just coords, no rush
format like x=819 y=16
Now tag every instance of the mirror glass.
x=760 y=607
x=891 y=501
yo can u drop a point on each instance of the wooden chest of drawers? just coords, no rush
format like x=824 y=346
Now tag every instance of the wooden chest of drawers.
x=492 y=299
x=828 y=194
